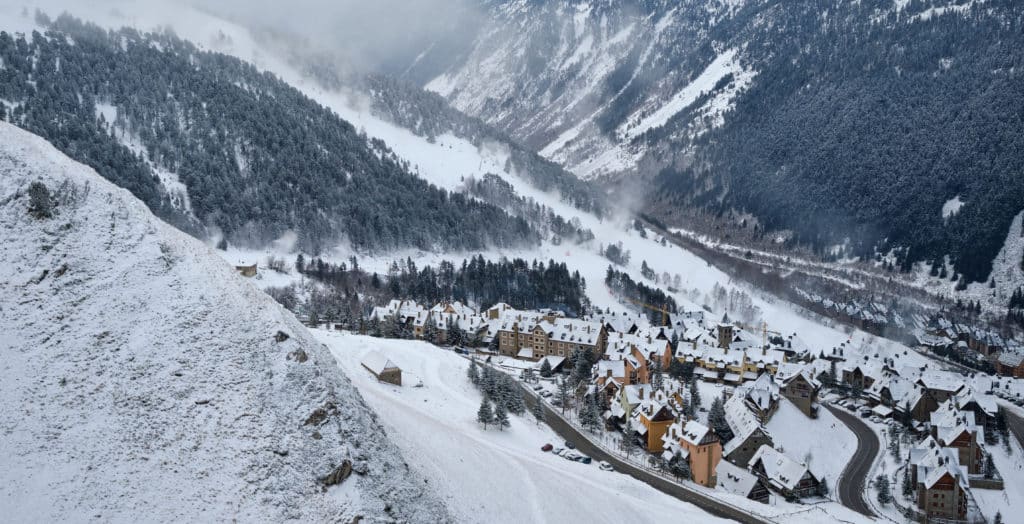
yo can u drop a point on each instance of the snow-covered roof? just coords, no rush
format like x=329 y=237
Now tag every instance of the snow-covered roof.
x=741 y=421
x=734 y=479
x=525 y=353
x=762 y=393
x=376 y=362
x=694 y=432
x=780 y=470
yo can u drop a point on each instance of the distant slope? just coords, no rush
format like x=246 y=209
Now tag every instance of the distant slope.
x=842 y=123
x=254 y=157
x=140 y=376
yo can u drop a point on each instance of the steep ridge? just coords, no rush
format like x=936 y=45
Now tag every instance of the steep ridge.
x=142 y=376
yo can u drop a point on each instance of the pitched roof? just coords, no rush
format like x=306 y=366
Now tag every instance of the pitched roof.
x=741 y=421
x=780 y=470
x=376 y=362
x=734 y=479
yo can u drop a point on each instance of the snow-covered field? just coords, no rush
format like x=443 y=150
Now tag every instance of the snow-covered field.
x=825 y=444
x=490 y=475
x=141 y=378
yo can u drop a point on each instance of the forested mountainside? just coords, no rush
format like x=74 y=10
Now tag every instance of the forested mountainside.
x=208 y=140
x=870 y=121
x=430 y=115
x=143 y=379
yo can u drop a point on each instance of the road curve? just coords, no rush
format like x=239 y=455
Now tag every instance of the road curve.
x=852 y=482
x=582 y=443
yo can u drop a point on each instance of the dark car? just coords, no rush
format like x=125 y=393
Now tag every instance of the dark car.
x=585 y=459
x=547 y=447
x=570 y=445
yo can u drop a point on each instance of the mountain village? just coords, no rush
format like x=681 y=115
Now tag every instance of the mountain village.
x=694 y=398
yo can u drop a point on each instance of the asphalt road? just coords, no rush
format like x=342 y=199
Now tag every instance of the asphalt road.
x=854 y=478
x=573 y=435
x=1016 y=424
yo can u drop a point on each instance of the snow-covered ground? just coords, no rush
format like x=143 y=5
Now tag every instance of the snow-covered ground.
x=140 y=378
x=824 y=444
x=490 y=475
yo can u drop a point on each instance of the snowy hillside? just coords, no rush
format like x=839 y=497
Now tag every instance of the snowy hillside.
x=490 y=476
x=141 y=376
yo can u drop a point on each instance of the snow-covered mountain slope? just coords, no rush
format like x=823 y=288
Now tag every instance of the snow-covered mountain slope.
x=803 y=115
x=140 y=377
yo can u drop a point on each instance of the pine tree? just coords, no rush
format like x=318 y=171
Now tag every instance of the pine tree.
x=679 y=467
x=657 y=378
x=882 y=485
x=563 y=394
x=998 y=519
x=694 y=396
x=538 y=411
x=907 y=486
x=473 y=372
x=990 y=467
x=717 y=420
x=628 y=445
x=545 y=368
x=430 y=332
x=501 y=416
x=484 y=415
x=832 y=377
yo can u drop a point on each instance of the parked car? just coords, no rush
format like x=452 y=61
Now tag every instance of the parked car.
x=546 y=447
x=570 y=445
x=584 y=459
x=605 y=466
x=557 y=451
x=876 y=420
x=865 y=413
x=556 y=402
x=545 y=393
x=537 y=387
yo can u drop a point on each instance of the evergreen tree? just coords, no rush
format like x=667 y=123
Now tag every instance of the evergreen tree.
x=589 y=417
x=694 y=396
x=999 y=518
x=538 y=411
x=545 y=368
x=484 y=415
x=823 y=487
x=679 y=467
x=628 y=444
x=882 y=485
x=989 y=468
x=657 y=378
x=717 y=420
x=473 y=372
x=501 y=416
x=907 y=484
x=430 y=332
x=833 y=378
x=563 y=394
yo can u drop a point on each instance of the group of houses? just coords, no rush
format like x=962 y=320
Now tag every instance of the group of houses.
x=759 y=369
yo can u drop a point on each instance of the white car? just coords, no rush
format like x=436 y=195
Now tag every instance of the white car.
x=545 y=393
x=605 y=466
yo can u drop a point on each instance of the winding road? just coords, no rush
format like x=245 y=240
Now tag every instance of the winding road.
x=852 y=482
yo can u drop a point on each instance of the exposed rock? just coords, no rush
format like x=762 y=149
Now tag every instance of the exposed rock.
x=338 y=475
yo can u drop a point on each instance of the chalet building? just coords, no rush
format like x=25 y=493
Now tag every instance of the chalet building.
x=246 y=271
x=957 y=430
x=798 y=384
x=783 y=474
x=651 y=420
x=699 y=445
x=382 y=368
x=749 y=434
x=860 y=375
x=983 y=406
x=738 y=481
x=904 y=396
x=1010 y=364
x=940 y=482
x=941 y=386
x=548 y=334
x=761 y=397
